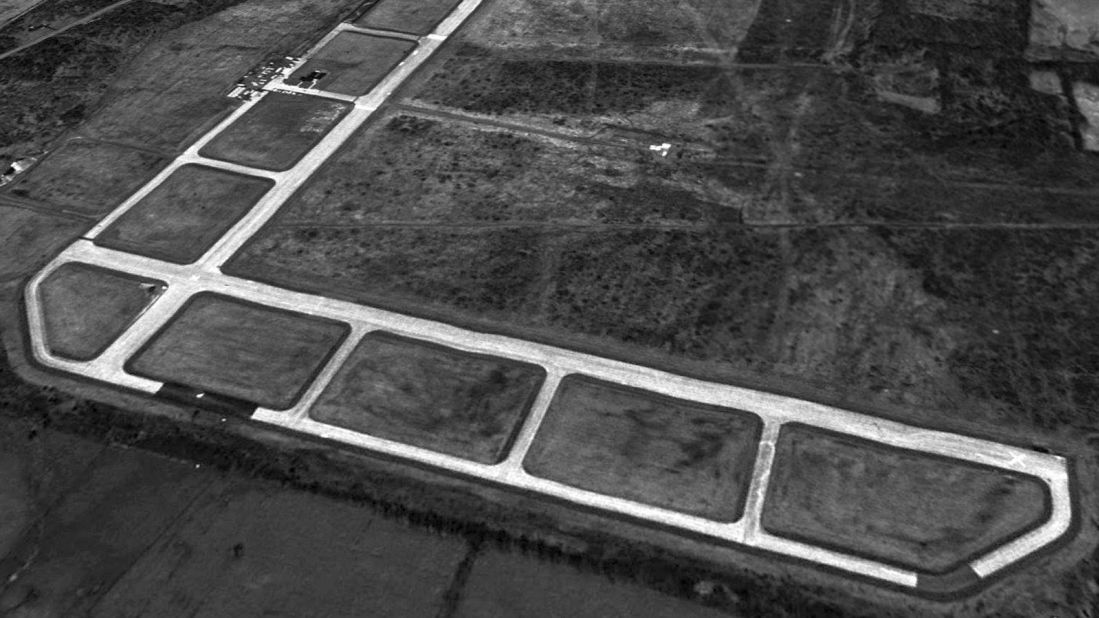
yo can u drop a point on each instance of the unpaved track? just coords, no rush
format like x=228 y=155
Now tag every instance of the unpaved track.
x=184 y=281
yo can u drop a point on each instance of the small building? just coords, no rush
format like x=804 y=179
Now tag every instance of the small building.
x=17 y=167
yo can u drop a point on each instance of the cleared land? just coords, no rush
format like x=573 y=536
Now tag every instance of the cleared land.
x=412 y=16
x=277 y=131
x=923 y=512
x=352 y=63
x=414 y=169
x=429 y=396
x=241 y=350
x=183 y=216
x=631 y=444
x=505 y=584
x=87 y=307
x=88 y=176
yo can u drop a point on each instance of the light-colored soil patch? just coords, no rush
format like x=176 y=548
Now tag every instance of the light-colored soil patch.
x=277 y=132
x=86 y=308
x=185 y=215
x=908 y=508
x=666 y=452
x=430 y=396
x=241 y=350
x=353 y=63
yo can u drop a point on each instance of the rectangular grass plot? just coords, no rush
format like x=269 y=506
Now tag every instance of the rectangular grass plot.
x=412 y=16
x=277 y=131
x=186 y=214
x=221 y=345
x=429 y=396
x=633 y=444
x=908 y=508
x=351 y=63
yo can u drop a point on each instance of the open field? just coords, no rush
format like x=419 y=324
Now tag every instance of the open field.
x=88 y=176
x=707 y=108
x=414 y=169
x=300 y=554
x=29 y=238
x=35 y=471
x=122 y=503
x=183 y=216
x=429 y=396
x=627 y=29
x=508 y=584
x=661 y=451
x=410 y=16
x=233 y=348
x=10 y=9
x=791 y=31
x=87 y=307
x=904 y=507
x=277 y=132
x=352 y=63
x=161 y=103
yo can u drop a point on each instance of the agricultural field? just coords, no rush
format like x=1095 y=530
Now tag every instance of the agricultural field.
x=89 y=177
x=923 y=512
x=352 y=63
x=429 y=396
x=186 y=214
x=411 y=16
x=233 y=348
x=633 y=444
x=86 y=308
x=277 y=132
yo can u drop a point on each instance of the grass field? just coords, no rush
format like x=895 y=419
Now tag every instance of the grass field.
x=183 y=216
x=276 y=132
x=413 y=169
x=631 y=444
x=108 y=531
x=158 y=102
x=622 y=29
x=353 y=62
x=506 y=584
x=904 y=507
x=300 y=555
x=88 y=176
x=429 y=396
x=28 y=239
x=410 y=16
x=86 y=308
x=241 y=350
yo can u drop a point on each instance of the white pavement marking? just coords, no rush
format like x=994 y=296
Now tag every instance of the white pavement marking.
x=184 y=281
